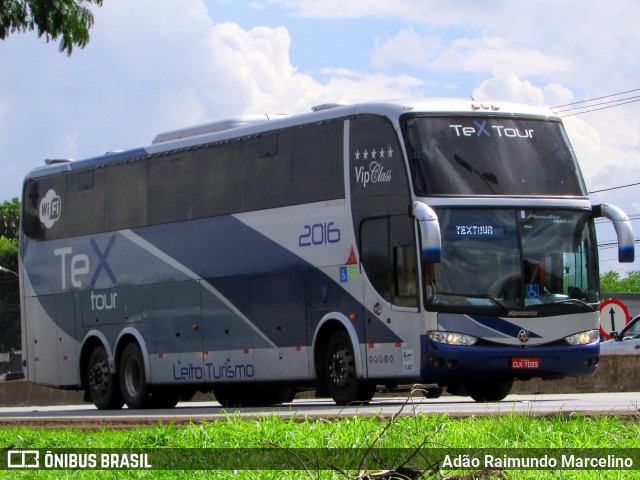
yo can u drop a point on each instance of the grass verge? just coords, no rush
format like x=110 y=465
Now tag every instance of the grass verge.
x=358 y=435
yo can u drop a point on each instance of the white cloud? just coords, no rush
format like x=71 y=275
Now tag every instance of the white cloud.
x=491 y=53
x=364 y=87
x=153 y=65
x=472 y=55
x=426 y=11
x=605 y=160
x=407 y=47
x=506 y=86
x=588 y=43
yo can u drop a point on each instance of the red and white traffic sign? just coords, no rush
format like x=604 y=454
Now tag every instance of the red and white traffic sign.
x=614 y=315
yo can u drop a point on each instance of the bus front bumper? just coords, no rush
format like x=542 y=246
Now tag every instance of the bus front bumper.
x=441 y=363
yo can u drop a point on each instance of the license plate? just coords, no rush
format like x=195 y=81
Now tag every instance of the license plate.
x=525 y=363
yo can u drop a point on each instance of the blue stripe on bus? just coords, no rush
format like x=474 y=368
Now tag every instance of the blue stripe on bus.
x=232 y=248
x=263 y=280
x=501 y=325
x=279 y=294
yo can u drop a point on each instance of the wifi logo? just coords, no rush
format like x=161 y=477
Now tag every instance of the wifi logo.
x=50 y=209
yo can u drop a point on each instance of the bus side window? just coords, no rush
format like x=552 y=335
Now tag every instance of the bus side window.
x=45 y=212
x=318 y=166
x=32 y=226
x=169 y=188
x=217 y=180
x=390 y=259
x=266 y=171
x=405 y=276
x=126 y=197
x=374 y=241
x=405 y=261
x=84 y=212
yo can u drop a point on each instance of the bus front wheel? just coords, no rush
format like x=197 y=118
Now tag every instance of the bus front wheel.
x=102 y=386
x=342 y=381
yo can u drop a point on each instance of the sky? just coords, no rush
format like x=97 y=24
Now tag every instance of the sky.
x=158 y=65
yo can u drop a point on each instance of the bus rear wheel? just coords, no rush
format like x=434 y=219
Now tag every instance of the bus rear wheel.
x=489 y=390
x=133 y=382
x=102 y=386
x=342 y=380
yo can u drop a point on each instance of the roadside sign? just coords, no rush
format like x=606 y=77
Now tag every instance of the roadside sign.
x=614 y=315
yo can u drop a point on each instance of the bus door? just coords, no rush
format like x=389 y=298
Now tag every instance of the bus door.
x=389 y=259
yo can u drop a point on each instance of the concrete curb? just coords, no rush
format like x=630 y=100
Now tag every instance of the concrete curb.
x=616 y=373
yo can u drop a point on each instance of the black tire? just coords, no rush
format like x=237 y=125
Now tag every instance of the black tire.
x=434 y=392
x=340 y=373
x=163 y=397
x=101 y=385
x=227 y=397
x=489 y=390
x=133 y=381
x=231 y=397
x=290 y=395
x=280 y=395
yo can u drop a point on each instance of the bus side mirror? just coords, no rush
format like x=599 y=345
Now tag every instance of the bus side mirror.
x=430 y=242
x=624 y=231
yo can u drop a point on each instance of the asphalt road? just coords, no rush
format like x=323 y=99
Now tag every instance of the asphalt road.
x=621 y=404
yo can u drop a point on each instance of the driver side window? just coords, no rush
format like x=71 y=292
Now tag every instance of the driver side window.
x=389 y=258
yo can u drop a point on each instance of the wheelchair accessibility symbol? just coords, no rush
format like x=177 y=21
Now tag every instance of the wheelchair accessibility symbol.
x=533 y=290
x=344 y=275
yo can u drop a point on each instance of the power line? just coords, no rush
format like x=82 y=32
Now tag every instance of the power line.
x=614 y=188
x=598 y=104
x=597 y=98
x=608 y=245
x=601 y=108
x=592 y=107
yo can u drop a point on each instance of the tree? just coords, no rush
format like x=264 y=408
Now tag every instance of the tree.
x=9 y=225
x=68 y=19
x=612 y=282
x=9 y=288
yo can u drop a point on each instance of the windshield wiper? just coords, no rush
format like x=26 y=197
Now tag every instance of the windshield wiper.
x=575 y=301
x=487 y=177
x=497 y=302
x=494 y=300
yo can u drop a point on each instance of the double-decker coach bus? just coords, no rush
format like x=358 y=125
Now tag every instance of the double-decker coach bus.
x=447 y=243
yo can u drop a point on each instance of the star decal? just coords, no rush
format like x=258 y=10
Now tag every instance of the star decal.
x=374 y=153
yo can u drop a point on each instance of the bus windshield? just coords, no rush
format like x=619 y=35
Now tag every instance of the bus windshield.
x=490 y=156
x=513 y=258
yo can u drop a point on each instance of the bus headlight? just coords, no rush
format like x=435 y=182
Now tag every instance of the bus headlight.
x=451 y=338
x=583 y=338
